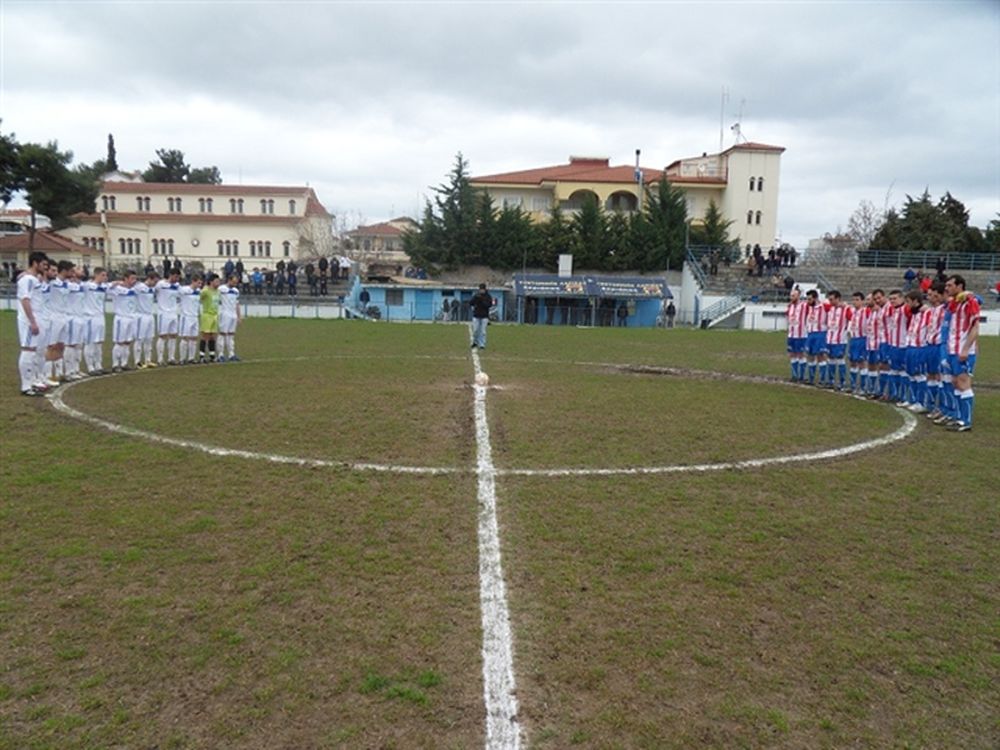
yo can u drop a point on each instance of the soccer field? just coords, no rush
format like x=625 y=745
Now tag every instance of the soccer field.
x=286 y=552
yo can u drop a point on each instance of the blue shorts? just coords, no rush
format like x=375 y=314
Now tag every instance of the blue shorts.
x=897 y=357
x=932 y=359
x=836 y=350
x=796 y=346
x=883 y=353
x=874 y=357
x=915 y=360
x=961 y=368
x=858 y=348
x=817 y=343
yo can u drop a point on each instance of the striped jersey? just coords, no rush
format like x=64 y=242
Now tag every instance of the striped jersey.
x=895 y=325
x=874 y=328
x=837 y=319
x=964 y=315
x=935 y=321
x=856 y=322
x=796 y=314
x=816 y=318
x=916 y=329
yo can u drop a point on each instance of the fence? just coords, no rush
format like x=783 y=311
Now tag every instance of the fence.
x=928 y=260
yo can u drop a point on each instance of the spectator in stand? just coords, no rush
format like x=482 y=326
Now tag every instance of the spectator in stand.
x=622 y=315
x=269 y=281
x=311 y=279
x=925 y=282
x=671 y=312
x=280 y=267
x=324 y=270
x=166 y=267
x=789 y=283
x=258 y=281
x=713 y=263
x=345 y=266
x=228 y=269
x=908 y=278
x=751 y=265
x=291 y=280
x=178 y=266
x=940 y=267
x=792 y=255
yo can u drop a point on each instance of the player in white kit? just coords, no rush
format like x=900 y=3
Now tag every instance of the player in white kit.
x=29 y=329
x=123 y=299
x=59 y=319
x=167 y=317
x=144 y=320
x=190 y=304
x=76 y=331
x=95 y=292
x=229 y=318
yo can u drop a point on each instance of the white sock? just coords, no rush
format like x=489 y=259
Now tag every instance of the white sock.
x=159 y=349
x=26 y=366
x=232 y=345
x=41 y=366
x=172 y=347
x=147 y=350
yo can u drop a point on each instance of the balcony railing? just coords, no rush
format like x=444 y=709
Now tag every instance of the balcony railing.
x=928 y=260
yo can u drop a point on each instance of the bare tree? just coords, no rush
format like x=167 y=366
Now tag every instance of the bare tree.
x=864 y=224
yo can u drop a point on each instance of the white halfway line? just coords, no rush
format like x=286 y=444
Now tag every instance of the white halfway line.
x=502 y=729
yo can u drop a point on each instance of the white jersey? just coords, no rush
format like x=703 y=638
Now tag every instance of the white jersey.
x=123 y=300
x=44 y=309
x=229 y=298
x=74 y=300
x=190 y=301
x=94 y=295
x=143 y=298
x=167 y=297
x=29 y=287
x=59 y=298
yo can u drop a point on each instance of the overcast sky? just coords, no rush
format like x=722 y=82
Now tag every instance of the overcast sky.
x=370 y=102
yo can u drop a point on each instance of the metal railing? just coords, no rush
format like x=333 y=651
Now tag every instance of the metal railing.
x=696 y=269
x=928 y=260
x=721 y=308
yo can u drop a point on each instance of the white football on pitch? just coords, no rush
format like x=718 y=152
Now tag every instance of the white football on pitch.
x=482 y=379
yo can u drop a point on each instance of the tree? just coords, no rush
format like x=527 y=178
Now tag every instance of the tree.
x=556 y=238
x=666 y=212
x=590 y=227
x=714 y=229
x=171 y=167
x=111 y=163
x=51 y=188
x=11 y=179
x=991 y=237
x=864 y=224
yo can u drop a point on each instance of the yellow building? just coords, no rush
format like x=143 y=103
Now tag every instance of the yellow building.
x=742 y=180
x=138 y=222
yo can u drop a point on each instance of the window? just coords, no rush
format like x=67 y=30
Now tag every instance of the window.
x=208 y=205
x=141 y=203
x=174 y=205
x=266 y=206
x=236 y=247
x=138 y=247
x=286 y=246
x=760 y=184
x=100 y=244
x=394 y=297
x=129 y=246
x=108 y=202
x=753 y=180
x=758 y=218
x=220 y=247
x=749 y=217
x=541 y=203
x=239 y=205
x=253 y=249
x=232 y=205
x=229 y=248
x=291 y=207
x=170 y=247
x=156 y=247
x=121 y=246
x=267 y=248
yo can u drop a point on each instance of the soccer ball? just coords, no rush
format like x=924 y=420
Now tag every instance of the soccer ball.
x=482 y=379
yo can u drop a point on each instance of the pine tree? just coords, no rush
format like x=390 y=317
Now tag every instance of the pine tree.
x=112 y=161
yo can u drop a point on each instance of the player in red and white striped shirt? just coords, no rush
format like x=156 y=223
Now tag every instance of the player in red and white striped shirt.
x=856 y=348
x=838 y=316
x=895 y=337
x=816 y=336
x=915 y=387
x=796 y=314
x=963 y=342
x=934 y=349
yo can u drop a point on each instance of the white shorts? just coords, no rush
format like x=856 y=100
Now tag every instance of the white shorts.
x=167 y=325
x=189 y=326
x=28 y=339
x=144 y=327
x=59 y=325
x=124 y=329
x=227 y=323
x=77 y=331
x=95 y=329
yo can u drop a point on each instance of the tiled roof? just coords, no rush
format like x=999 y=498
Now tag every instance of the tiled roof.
x=21 y=213
x=578 y=170
x=751 y=146
x=377 y=230
x=314 y=207
x=46 y=242
x=189 y=188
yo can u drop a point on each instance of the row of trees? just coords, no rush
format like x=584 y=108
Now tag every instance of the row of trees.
x=464 y=227
x=922 y=225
